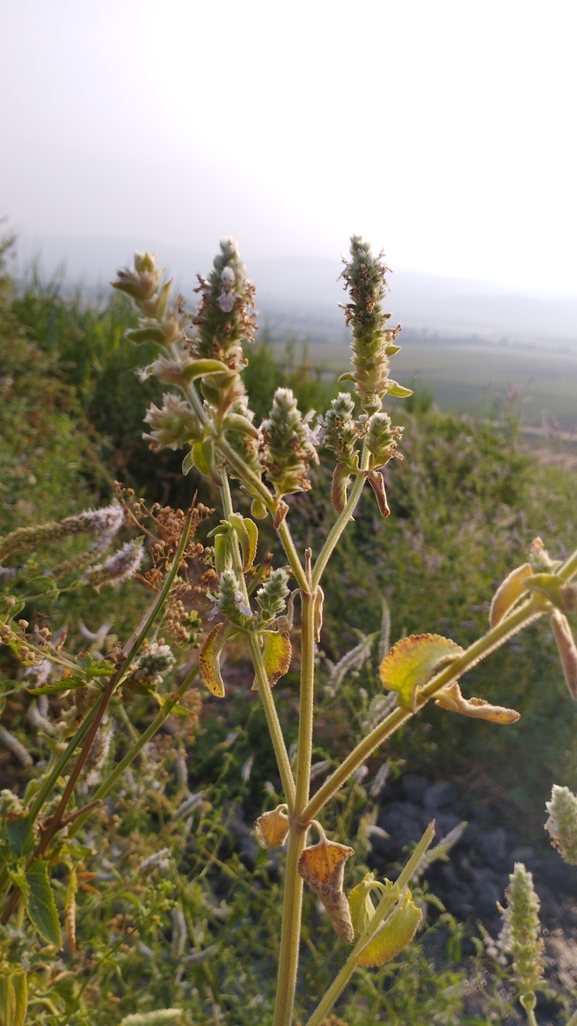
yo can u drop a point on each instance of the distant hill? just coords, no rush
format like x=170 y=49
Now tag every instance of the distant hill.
x=303 y=293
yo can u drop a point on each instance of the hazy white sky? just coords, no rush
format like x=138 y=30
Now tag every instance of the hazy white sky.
x=442 y=130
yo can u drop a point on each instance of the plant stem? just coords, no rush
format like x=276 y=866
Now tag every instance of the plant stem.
x=292 y=556
x=275 y=730
x=531 y=609
x=341 y=522
x=273 y=723
x=573 y=1020
x=368 y=934
x=292 y=904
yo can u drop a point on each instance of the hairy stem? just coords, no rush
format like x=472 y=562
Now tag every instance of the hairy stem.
x=528 y=612
x=340 y=523
x=292 y=905
x=383 y=908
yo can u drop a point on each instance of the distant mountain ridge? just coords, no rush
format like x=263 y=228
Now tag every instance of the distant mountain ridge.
x=303 y=293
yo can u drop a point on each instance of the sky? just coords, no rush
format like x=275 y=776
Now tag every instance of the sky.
x=444 y=132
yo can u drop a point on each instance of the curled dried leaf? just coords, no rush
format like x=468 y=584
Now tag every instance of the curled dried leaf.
x=341 y=478
x=508 y=593
x=272 y=828
x=377 y=483
x=322 y=866
x=318 y=612
x=450 y=697
x=209 y=661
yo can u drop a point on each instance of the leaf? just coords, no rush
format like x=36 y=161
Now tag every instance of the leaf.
x=347 y=377
x=549 y=585
x=567 y=649
x=65 y=684
x=508 y=593
x=13 y=998
x=203 y=456
x=236 y=422
x=413 y=661
x=198 y=369
x=140 y=335
x=361 y=903
x=276 y=657
x=252 y=530
x=394 y=936
x=450 y=697
x=41 y=904
x=322 y=866
x=393 y=388
x=187 y=463
x=392 y=349
x=318 y=612
x=161 y=1017
x=272 y=828
x=209 y=660
x=20 y=836
x=341 y=478
x=377 y=483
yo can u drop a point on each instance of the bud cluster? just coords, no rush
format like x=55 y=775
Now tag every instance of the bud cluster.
x=159 y=322
x=272 y=596
x=289 y=445
x=339 y=431
x=520 y=932
x=381 y=438
x=224 y=319
x=230 y=600
x=373 y=342
x=562 y=822
x=172 y=426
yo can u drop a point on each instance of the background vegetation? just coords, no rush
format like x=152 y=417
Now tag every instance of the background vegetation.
x=466 y=502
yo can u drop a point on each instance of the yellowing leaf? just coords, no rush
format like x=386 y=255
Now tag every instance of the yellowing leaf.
x=450 y=697
x=322 y=866
x=272 y=828
x=507 y=593
x=413 y=661
x=209 y=661
x=250 y=554
x=393 y=388
x=394 y=935
x=276 y=657
x=361 y=903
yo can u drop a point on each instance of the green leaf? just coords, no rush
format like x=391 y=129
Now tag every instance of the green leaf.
x=276 y=658
x=64 y=684
x=140 y=335
x=20 y=836
x=236 y=422
x=203 y=456
x=549 y=585
x=361 y=903
x=393 y=388
x=247 y=532
x=252 y=530
x=187 y=463
x=41 y=904
x=394 y=936
x=199 y=368
x=413 y=661
x=209 y=661
x=347 y=377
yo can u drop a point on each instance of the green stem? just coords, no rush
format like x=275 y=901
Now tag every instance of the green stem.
x=340 y=523
x=385 y=905
x=60 y=765
x=292 y=556
x=275 y=730
x=273 y=723
x=573 y=1020
x=292 y=903
x=529 y=611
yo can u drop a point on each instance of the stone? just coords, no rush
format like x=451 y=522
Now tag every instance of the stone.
x=492 y=846
x=403 y=821
x=414 y=787
x=439 y=795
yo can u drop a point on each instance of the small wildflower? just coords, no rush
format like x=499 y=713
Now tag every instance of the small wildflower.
x=562 y=822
